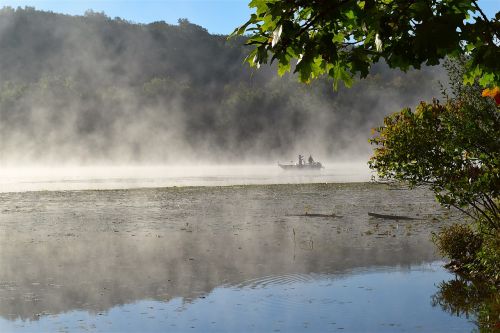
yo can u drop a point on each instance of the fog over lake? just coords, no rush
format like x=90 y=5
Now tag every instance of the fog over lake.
x=119 y=177
x=140 y=189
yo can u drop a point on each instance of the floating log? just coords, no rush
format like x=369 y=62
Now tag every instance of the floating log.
x=391 y=217
x=316 y=215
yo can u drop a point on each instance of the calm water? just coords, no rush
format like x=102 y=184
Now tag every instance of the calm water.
x=396 y=299
x=235 y=258
x=20 y=179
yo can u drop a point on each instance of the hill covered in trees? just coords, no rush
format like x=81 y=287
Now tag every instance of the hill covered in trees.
x=92 y=89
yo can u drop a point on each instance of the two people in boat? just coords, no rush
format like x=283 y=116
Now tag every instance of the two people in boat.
x=301 y=160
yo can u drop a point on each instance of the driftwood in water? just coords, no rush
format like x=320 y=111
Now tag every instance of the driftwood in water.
x=391 y=217
x=316 y=215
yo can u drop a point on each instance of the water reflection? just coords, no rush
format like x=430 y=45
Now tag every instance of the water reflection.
x=98 y=272
x=384 y=300
x=238 y=254
x=470 y=299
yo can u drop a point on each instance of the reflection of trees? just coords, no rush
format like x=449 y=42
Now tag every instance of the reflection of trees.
x=94 y=250
x=474 y=299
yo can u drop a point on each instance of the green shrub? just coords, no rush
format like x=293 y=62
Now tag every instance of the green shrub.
x=459 y=243
x=487 y=263
x=476 y=254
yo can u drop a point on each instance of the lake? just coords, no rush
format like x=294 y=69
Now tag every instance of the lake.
x=283 y=257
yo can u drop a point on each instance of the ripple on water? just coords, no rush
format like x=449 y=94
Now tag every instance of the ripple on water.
x=393 y=300
x=266 y=281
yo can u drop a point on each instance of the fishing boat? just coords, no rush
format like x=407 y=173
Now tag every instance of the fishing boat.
x=302 y=165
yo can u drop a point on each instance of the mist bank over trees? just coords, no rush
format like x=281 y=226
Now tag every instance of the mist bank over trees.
x=91 y=89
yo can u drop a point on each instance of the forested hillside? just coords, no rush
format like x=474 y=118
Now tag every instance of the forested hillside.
x=92 y=89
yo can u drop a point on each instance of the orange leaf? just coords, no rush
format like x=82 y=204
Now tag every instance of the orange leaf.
x=493 y=93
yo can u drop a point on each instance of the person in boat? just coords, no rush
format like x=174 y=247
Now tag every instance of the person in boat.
x=310 y=159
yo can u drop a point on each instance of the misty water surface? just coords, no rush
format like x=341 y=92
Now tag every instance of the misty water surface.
x=18 y=179
x=234 y=255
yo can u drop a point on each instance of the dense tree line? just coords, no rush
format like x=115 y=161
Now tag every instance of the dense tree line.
x=95 y=89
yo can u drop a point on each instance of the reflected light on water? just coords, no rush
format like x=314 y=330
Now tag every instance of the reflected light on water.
x=393 y=299
x=234 y=258
x=20 y=179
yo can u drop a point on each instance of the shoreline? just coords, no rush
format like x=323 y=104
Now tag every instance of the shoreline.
x=369 y=183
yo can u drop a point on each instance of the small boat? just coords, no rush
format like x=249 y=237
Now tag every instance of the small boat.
x=310 y=165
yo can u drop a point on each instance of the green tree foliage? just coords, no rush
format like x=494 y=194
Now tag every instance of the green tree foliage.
x=454 y=148
x=342 y=38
